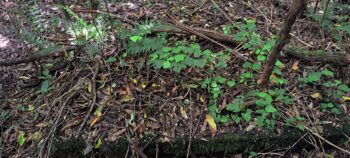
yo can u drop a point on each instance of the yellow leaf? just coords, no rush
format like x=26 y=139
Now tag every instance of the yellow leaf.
x=127 y=98
x=316 y=96
x=346 y=98
x=183 y=113
x=202 y=99
x=212 y=124
x=94 y=121
x=134 y=80
x=98 y=111
x=90 y=87
x=143 y=85
x=295 y=66
x=274 y=78
x=36 y=136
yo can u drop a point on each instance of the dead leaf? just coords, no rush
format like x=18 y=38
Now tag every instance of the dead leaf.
x=202 y=99
x=212 y=124
x=90 y=87
x=346 y=98
x=295 y=66
x=251 y=126
x=94 y=120
x=183 y=113
x=316 y=96
x=274 y=78
x=127 y=98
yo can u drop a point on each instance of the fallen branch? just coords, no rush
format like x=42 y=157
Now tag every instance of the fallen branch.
x=54 y=51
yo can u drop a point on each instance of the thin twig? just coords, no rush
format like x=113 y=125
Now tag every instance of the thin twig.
x=223 y=12
x=93 y=103
x=326 y=141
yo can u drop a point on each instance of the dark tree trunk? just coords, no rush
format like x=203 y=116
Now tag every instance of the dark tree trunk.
x=282 y=39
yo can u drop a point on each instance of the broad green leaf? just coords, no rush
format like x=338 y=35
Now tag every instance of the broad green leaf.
x=45 y=86
x=233 y=107
x=220 y=79
x=167 y=49
x=199 y=62
x=166 y=65
x=179 y=57
x=247 y=65
x=344 y=88
x=111 y=60
x=328 y=73
x=256 y=66
x=247 y=116
x=135 y=38
x=262 y=94
x=270 y=109
x=231 y=83
x=261 y=57
x=21 y=138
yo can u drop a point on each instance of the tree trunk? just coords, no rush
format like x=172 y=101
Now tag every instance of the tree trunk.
x=282 y=39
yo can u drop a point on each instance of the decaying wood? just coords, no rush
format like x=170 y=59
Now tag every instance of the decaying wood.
x=282 y=39
x=38 y=55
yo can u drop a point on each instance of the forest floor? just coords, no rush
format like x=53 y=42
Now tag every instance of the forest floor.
x=110 y=97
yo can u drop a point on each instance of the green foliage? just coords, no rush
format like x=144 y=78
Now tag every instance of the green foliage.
x=215 y=85
x=316 y=76
x=21 y=138
x=82 y=32
x=336 y=24
x=46 y=76
x=296 y=121
x=182 y=56
x=138 y=40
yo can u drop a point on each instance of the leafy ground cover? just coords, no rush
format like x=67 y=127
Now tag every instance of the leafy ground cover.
x=160 y=71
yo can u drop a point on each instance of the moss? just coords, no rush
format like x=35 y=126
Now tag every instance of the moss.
x=229 y=143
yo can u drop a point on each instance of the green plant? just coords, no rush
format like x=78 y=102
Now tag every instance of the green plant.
x=335 y=24
x=137 y=40
x=82 y=32
x=296 y=121
x=181 y=57
x=46 y=76
x=316 y=76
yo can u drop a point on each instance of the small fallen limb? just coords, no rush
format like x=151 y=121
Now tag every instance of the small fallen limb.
x=188 y=29
x=54 y=51
x=326 y=141
x=92 y=104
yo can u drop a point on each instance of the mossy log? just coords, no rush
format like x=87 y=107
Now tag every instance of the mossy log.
x=339 y=58
x=229 y=143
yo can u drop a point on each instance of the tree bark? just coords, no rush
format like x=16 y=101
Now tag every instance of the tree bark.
x=282 y=39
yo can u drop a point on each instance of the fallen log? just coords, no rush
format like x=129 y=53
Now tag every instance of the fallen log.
x=46 y=52
x=223 y=144
x=300 y=52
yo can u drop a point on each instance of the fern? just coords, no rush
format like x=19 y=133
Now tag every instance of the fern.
x=146 y=45
x=82 y=32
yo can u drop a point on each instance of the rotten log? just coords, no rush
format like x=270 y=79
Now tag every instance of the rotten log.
x=223 y=144
x=47 y=52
